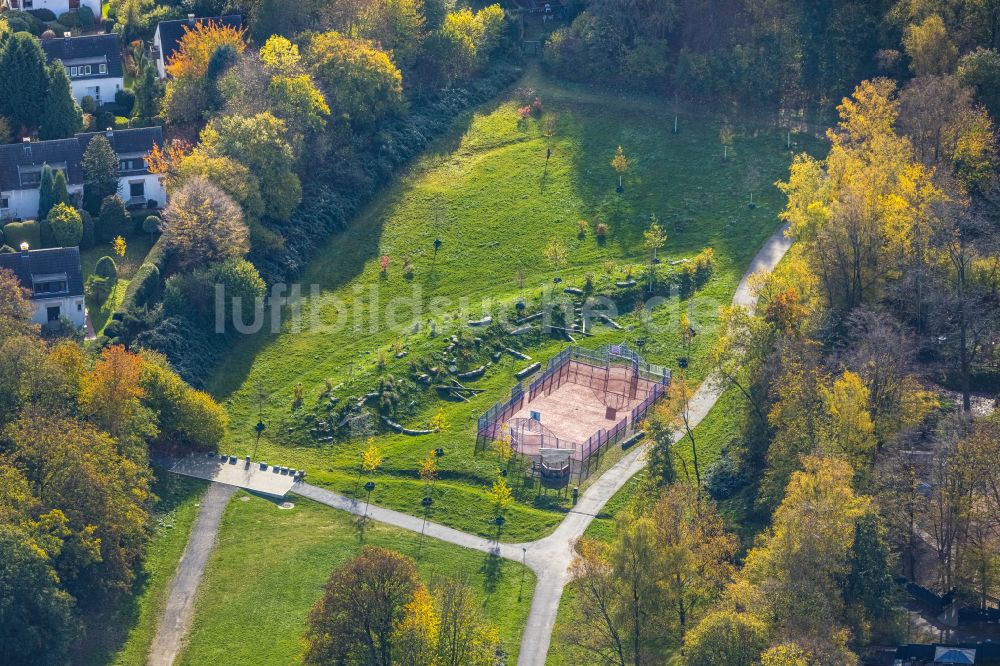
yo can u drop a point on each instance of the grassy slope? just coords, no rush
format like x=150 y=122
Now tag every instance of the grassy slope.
x=270 y=566
x=123 y=634
x=487 y=193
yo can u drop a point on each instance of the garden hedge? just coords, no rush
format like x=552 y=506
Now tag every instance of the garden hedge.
x=15 y=233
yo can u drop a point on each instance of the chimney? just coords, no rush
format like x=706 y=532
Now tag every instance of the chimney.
x=110 y=133
x=26 y=139
x=190 y=19
x=24 y=249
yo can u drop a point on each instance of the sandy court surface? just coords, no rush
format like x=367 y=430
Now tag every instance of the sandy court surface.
x=574 y=411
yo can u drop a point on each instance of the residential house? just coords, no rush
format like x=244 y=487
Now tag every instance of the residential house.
x=167 y=37
x=21 y=166
x=56 y=6
x=55 y=279
x=93 y=64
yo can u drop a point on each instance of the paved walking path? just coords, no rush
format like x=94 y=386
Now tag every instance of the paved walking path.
x=549 y=557
x=179 y=611
x=555 y=552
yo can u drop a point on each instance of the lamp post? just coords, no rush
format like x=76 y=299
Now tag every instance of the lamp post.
x=369 y=487
x=259 y=429
x=524 y=560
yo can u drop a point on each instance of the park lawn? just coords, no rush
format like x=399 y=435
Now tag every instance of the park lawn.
x=123 y=634
x=487 y=192
x=271 y=564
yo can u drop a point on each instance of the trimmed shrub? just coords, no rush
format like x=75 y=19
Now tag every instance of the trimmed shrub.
x=125 y=99
x=21 y=22
x=86 y=16
x=104 y=120
x=88 y=230
x=113 y=219
x=143 y=288
x=45 y=234
x=66 y=225
x=59 y=29
x=88 y=104
x=7 y=249
x=106 y=268
x=97 y=288
x=70 y=19
x=46 y=15
x=16 y=233
x=151 y=225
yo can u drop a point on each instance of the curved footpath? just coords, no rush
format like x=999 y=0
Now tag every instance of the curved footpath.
x=549 y=557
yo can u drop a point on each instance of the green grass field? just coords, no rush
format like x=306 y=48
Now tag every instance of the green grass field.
x=487 y=192
x=271 y=564
x=121 y=635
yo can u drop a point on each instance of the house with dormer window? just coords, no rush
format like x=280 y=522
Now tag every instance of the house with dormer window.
x=56 y=6
x=21 y=168
x=55 y=279
x=93 y=64
x=168 y=35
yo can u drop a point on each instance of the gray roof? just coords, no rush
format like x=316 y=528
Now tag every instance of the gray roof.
x=87 y=50
x=68 y=154
x=170 y=32
x=52 y=261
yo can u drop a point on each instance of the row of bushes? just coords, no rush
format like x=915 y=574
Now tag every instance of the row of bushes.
x=37 y=21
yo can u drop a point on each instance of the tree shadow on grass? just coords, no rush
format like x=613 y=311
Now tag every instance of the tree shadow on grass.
x=492 y=571
x=345 y=253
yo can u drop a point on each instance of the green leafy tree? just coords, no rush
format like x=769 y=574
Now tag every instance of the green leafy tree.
x=361 y=82
x=46 y=194
x=930 y=47
x=113 y=218
x=100 y=171
x=298 y=101
x=202 y=225
x=66 y=224
x=227 y=174
x=184 y=415
x=24 y=80
x=62 y=117
x=72 y=465
x=363 y=602
x=148 y=91
x=980 y=70
x=37 y=616
x=60 y=189
x=725 y=638
x=870 y=591
x=260 y=143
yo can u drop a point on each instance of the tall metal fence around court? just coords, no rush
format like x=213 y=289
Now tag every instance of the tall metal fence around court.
x=586 y=456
